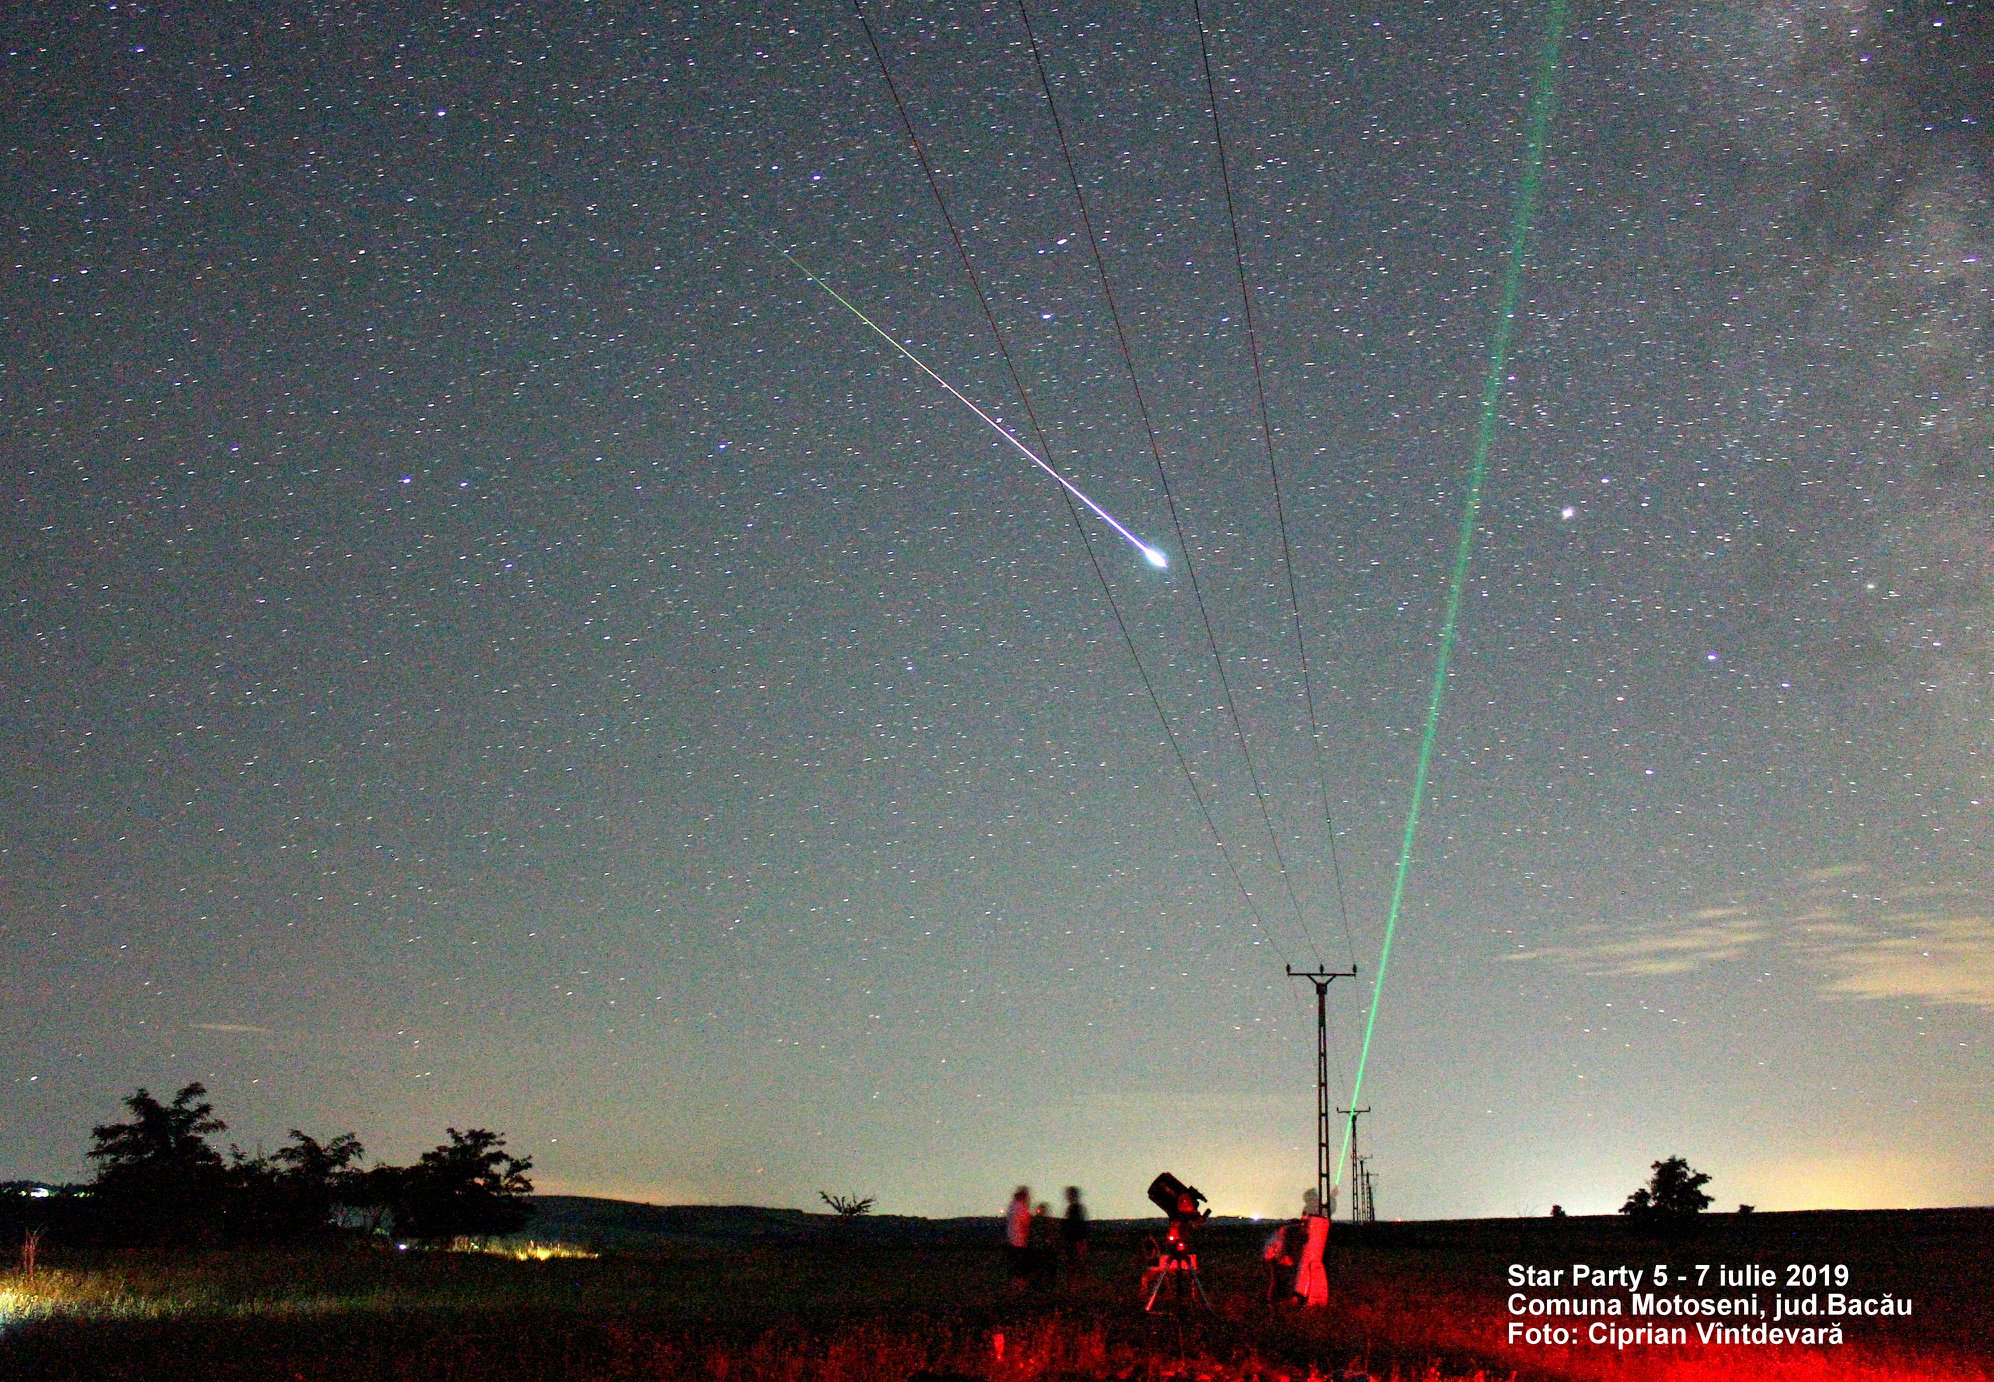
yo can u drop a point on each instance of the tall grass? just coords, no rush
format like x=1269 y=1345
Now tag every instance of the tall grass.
x=825 y=1313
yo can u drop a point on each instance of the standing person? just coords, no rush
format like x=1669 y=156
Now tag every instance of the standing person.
x=1073 y=1235
x=1278 y=1253
x=1018 y=1236
x=1311 y=1280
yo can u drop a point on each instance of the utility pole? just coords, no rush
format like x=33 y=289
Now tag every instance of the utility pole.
x=1356 y=1165
x=1322 y=978
x=1363 y=1204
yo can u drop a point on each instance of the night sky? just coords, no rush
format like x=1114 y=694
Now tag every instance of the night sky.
x=489 y=643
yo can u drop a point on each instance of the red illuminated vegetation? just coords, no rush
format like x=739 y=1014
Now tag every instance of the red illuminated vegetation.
x=870 y=1301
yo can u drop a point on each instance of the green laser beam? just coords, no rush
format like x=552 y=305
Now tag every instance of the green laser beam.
x=1478 y=474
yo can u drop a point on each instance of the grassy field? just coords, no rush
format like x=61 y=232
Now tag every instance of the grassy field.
x=1422 y=1301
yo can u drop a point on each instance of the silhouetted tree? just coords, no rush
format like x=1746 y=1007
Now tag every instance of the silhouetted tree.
x=317 y=1166
x=848 y=1206
x=1673 y=1192
x=290 y=1194
x=159 y=1180
x=466 y=1186
x=157 y=1177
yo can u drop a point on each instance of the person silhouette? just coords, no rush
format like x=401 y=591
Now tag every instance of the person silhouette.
x=1073 y=1233
x=1018 y=1236
x=1277 y=1254
x=1311 y=1280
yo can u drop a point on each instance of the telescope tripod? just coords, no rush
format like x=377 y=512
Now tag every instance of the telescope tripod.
x=1176 y=1271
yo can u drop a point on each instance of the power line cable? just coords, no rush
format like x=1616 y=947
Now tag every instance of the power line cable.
x=1169 y=496
x=1024 y=395
x=1273 y=468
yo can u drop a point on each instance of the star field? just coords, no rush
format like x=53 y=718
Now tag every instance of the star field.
x=491 y=644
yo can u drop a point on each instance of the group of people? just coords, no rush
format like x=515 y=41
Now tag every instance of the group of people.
x=1293 y=1256
x=1037 y=1246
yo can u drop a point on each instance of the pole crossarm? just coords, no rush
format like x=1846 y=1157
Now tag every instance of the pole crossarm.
x=1322 y=979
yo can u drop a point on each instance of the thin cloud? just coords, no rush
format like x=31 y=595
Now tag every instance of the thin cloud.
x=1929 y=942
x=1834 y=873
x=1866 y=939
x=1676 y=947
x=1942 y=960
x=231 y=1027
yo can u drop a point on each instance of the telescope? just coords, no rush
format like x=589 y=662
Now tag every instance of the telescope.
x=1178 y=1200
x=1176 y=1265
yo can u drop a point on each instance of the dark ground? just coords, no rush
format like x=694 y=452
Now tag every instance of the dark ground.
x=718 y=1294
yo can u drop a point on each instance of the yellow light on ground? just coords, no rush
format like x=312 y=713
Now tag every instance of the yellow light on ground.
x=529 y=1250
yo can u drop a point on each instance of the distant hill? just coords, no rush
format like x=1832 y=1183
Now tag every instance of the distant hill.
x=624 y=1224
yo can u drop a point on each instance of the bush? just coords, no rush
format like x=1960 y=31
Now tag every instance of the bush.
x=466 y=1187
x=1673 y=1192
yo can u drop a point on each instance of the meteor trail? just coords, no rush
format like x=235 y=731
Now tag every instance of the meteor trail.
x=1153 y=555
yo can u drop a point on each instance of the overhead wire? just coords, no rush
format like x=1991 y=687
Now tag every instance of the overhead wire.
x=1273 y=467
x=1031 y=415
x=1169 y=495
x=1539 y=122
x=1073 y=492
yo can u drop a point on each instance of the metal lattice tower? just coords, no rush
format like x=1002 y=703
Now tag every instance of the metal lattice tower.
x=1322 y=979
